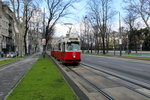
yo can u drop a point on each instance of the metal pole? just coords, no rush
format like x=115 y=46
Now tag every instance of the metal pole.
x=70 y=27
x=70 y=30
x=44 y=46
x=120 y=41
x=114 y=47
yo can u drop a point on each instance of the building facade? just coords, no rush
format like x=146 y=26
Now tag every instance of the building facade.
x=6 y=29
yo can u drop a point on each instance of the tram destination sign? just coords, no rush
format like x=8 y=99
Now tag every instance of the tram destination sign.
x=73 y=38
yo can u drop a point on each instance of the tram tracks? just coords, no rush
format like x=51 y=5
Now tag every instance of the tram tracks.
x=85 y=79
x=137 y=83
x=108 y=97
x=93 y=85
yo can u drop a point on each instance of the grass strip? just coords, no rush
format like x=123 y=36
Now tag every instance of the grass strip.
x=4 y=62
x=7 y=61
x=43 y=82
x=136 y=57
x=123 y=56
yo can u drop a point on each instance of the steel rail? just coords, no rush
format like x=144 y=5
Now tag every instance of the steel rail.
x=106 y=72
x=92 y=85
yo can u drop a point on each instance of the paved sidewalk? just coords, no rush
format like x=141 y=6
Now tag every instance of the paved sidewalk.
x=1 y=59
x=10 y=75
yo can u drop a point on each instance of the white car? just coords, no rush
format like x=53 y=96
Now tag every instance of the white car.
x=11 y=55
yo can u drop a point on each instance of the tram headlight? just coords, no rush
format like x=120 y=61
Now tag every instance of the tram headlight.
x=74 y=56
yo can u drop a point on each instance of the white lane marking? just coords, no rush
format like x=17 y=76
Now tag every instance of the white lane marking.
x=103 y=62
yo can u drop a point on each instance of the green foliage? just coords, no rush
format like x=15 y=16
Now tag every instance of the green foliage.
x=43 y=82
x=7 y=61
x=146 y=44
x=132 y=56
x=136 y=57
x=135 y=38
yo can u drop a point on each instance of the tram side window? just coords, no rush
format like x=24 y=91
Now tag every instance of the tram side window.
x=59 y=46
x=63 y=47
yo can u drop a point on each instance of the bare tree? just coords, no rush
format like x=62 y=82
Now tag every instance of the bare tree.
x=96 y=38
x=130 y=21
x=19 y=22
x=19 y=8
x=57 y=9
x=140 y=7
x=30 y=9
x=92 y=40
x=108 y=37
x=34 y=37
x=82 y=37
x=100 y=14
x=87 y=33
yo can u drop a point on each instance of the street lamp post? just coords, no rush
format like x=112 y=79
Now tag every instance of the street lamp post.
x=44 y=37
x=120 y=40
x=114 y=47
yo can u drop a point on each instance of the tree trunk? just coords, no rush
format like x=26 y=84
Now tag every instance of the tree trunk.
x=25 y=42
x=103 y=44
x=88 y=45
x=26 y=30
x=107 y=44
x=98 y=44
x=91 y=48
x=21 y=38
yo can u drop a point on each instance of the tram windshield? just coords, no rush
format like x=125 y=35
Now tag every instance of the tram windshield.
x=73 y=46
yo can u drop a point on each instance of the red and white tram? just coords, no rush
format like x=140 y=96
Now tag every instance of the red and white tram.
x=67 y=49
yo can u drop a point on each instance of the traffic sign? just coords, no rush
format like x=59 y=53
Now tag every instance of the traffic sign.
x=43 y=41
x=120 y=41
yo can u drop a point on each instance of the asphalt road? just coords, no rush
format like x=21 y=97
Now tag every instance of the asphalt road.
x=11 y=74
x=133 y=69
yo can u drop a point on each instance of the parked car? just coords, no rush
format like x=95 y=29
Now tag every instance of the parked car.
x=11 y=54
x=17 y=54
x=1 y=54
